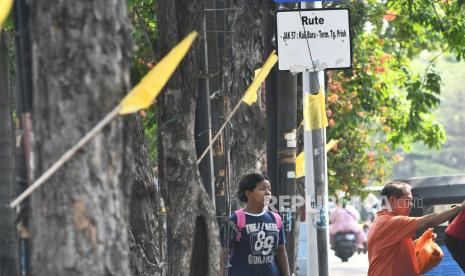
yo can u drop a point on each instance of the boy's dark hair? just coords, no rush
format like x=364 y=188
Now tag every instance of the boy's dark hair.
x=248 y=183
x=395 y=188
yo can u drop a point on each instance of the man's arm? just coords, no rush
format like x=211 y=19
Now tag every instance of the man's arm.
x=283 y=263
x=437 y=218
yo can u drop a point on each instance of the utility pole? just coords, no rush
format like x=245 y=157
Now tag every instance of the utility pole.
x=286 y=153
x=271 y=101
x=281 y=117
x=286 y=131
x=316 y=183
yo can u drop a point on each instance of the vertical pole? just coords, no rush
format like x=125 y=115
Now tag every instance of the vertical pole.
x=271 y=100
x=203 y=133
x=312 y=248
x=216 y=20
x=285 y=135
x=23 y=109
x=316 y=185
x=320 y=182
x=286 y=145
x=287 y=118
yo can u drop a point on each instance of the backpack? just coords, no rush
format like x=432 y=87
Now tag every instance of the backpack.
x=240 y=214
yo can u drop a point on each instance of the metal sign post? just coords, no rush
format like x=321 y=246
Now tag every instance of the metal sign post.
x=311 y=220
x=316 y=185
x=310 y=41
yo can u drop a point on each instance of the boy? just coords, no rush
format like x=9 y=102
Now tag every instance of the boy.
x=258 y=245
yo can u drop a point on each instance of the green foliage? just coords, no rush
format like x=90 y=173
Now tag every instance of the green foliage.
x=144 y=34
x=382 y=104
x=143 y=17
x=439 y=22
x=422 y=161
x=8 y=25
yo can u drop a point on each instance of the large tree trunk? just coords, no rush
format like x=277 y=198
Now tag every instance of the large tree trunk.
x=8 y=239
x=245 y=54
x=193 y=243
x=80 y=216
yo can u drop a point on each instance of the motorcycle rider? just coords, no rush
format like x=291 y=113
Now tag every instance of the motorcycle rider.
x=344 y=219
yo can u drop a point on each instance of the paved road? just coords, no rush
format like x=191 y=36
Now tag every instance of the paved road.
x=356 y=266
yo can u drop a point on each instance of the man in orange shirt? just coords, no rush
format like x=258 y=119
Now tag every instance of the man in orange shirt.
x=390 y=245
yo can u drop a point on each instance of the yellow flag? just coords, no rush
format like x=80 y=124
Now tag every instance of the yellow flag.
x=300 y=159
x=250 y=95
x=300 y=165
x=144 y=93
x=331 y=145
x=315 y=111
x=5 y=7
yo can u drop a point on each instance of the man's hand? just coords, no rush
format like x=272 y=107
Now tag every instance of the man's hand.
x=462 y=206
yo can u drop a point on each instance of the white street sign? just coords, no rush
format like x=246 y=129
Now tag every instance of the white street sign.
x=320 y=35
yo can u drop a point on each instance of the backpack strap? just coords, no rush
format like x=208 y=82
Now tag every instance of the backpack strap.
x=278 y=219
x=240 y=215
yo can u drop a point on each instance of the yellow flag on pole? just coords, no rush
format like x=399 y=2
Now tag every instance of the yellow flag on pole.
x=144 y=93
x=315 y=111
x=5 y=7
x=331 y=145
x=300 y=159
x=250 y=95
x=300 y=165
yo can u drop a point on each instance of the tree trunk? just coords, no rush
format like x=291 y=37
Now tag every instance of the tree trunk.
x=9 y=264
x=244 y=55
x=191 y=217
x=147 y=235
x=80 y=73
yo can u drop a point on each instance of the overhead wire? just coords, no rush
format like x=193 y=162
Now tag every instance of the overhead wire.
x=308 y=48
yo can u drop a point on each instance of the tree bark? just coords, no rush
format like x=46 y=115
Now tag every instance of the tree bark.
x=191 y=217
x=147 y=235
x=9 y=263
x=80 y=73
x=243 y=56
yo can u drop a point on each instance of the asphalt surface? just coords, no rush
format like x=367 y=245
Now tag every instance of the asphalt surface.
x=356 y=266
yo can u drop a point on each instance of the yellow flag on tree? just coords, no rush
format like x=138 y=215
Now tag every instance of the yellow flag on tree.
x=5 y=7
x=250 y=95
x=139 y=98
x=144 y=93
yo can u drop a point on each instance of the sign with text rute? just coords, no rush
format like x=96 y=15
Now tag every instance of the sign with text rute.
x=313 y=39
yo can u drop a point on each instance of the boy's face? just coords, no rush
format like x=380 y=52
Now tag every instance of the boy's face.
x=261 y=192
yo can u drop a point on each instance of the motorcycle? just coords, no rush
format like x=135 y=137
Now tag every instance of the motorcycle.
x=345 y=245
